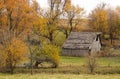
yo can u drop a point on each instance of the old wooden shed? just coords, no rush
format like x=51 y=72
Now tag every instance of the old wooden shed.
x=81 y=43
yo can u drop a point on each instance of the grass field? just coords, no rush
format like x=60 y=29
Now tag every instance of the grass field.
x=102 y=61
x=58 y=76
x=78 y=65
x=72 y=68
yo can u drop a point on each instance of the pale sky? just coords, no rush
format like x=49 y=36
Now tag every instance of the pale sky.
x=88 y=5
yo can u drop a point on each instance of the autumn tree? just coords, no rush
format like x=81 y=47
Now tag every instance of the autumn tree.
x=15 y=53
x=106 y=20
x=42 y=51
x=50 y=19
x=15 y=23
x=118 y=21
x=32 y=44
x=113 y=18
x=98 y=19
x=46 y=26
x=72 y=17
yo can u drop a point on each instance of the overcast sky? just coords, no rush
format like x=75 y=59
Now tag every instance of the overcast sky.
x=88 y=5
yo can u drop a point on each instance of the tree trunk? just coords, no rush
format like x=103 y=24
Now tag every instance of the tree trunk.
x=66 y=34
x=31 y=71
x=111 y=39
x=31 y=56
x=71 y=27
x=36 y=64
x=11 y=70
x=111 y=35
x=51 y=37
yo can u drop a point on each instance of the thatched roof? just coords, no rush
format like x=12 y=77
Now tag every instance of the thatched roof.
x=80 y=40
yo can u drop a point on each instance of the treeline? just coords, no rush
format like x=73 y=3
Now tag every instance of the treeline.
x=106 y=19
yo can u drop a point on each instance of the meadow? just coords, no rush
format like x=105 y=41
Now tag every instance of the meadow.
x=71 y=68
x=58 y=76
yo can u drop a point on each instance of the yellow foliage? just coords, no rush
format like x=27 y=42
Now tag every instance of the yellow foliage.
x=43 y=29
x=40 y=25
x=2 y=60
x=16 y=51
x=51 y=52
x=99 y=19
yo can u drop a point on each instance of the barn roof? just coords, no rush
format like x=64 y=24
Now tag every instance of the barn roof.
x=80 y=40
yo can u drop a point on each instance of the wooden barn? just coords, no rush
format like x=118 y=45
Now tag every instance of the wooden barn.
x=81 y=43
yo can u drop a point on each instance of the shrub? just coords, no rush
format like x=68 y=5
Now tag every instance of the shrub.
x=48 y=53
x=15 y=53
x=92 y=63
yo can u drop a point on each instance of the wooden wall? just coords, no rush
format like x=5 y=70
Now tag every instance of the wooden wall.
x=74 y=52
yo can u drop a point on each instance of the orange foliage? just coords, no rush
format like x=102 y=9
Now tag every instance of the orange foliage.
x=98 y=19
x=16 y=20
x=16 y=51
x=17 y=16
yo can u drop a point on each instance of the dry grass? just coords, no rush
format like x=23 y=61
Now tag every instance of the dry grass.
x=77 y=65
x=58 y=76
x=71 y=68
